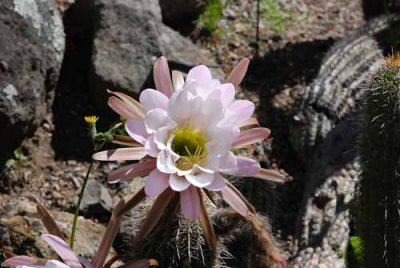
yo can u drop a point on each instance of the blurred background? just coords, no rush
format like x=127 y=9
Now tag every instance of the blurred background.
x=309 y=63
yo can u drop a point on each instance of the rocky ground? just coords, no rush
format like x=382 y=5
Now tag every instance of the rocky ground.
x=52 y=161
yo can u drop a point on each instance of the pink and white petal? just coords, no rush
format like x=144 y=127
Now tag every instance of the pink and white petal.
x=86 y=262
x=62 y=249
x=217 y=184
x=242 y=110
x=200 y=74
x=178 y=106
x=177 y=80
x=22 y=260
x=270 y=175
x=122 y=108
x=132 y=171
x=134 y=105
x=222 y=138
x=156 y=183
x=121 y=154
x=178 y=183
x=137 y=130
x=228 y=163
x=200 y=179
x=162 y=77
x=237 y=74
x=155 y=119
x=213 y=112
x=205 y=169
x=249 y=122
x=234 y=201
x=227 y=94
x=247 y=166
x=163 y=163
x=251 y=136
x=151 y=99
x=190 y=203
x=183 y=173
x=151 y=147
x=55 y=264
x=161 y=137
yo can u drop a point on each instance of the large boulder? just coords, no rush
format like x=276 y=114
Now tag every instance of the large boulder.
x=32 y=48
x=128 y=38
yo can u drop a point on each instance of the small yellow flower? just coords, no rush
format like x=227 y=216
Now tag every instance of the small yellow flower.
x=91 y=119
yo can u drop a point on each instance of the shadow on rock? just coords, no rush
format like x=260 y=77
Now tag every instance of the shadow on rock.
x=73 y=100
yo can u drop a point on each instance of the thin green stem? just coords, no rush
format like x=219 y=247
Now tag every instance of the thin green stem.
x=78 y=205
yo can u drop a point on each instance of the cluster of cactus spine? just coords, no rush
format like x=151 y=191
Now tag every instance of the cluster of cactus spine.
x=176 y=242
x=379 y=222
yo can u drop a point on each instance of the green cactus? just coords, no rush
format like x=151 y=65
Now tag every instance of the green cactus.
x=380 y=155
x=355 y=254
x=176 y=242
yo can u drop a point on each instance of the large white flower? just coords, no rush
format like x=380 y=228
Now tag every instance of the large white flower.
x=185 y=134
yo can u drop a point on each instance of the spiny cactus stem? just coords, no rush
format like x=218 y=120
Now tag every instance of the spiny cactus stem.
x=265 y=240
x=380 y=187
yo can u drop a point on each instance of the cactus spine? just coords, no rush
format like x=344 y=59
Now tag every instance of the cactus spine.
x=380 y=154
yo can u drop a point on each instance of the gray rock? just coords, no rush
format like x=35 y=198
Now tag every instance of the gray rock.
x=32 y=49
x=20 y=230
x=317 y=258
x=128 y=38
x=97 y=201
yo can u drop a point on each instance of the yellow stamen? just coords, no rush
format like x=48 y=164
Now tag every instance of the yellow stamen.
x=190 y=145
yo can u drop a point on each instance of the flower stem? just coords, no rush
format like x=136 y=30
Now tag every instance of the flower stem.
x=71 y=239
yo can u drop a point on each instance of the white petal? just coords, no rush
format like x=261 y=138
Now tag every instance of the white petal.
x=213 y=111
x=151 y=147
x=155 y=119
x=163 y=164
x=156 y=183
x=137 y=130
x=177 y=80
x=55 y=264
x=221 y=139
x=151 y=99
x=178 y=107
x=178 y=183
x=200 y=179
x=247 y=166
x=62 y=249
x=161 y=137
x=242 y=110
x=190 y=203
x=217 y=184
x=228 y=163
x=200 y=73
x=227 y=94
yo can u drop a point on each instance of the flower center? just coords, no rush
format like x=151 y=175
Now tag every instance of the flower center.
x=190 y=145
